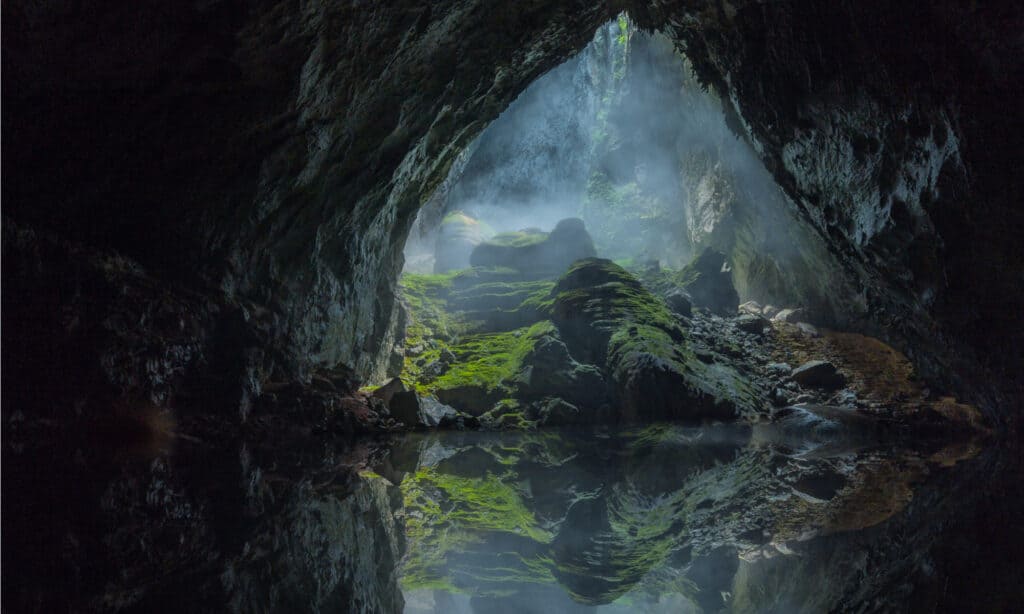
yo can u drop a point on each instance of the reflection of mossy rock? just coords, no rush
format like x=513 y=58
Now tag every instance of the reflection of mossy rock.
x=607 y=317
x=456 y=238
x=535 y=253
x=709 y=283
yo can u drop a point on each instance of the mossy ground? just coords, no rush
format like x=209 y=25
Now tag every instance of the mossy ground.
x=472 y=314
x=490 y=361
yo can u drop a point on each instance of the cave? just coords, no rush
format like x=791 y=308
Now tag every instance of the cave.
x=537 y=307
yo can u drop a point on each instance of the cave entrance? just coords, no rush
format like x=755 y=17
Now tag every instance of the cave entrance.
x=620 y=154
x=625 y=138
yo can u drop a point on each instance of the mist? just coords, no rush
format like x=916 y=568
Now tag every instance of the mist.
x=624 y=137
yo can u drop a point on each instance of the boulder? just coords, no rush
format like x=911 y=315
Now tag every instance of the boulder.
x=818 y=374
x=535 y=253
x=679 y=302
x=389 y=389
x=458 y=235
x=751 y=307
x=769 y=311
x=753 y=324
x=403 y=403
x=607 y=317
x=549 y=370
x=789 y=315
x=434 y=413
x=709 y=282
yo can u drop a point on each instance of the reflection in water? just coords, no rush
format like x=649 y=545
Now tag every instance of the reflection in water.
x=658 y=519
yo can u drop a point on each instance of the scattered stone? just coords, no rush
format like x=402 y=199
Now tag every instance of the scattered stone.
x=753 y=324
x=679 y=302
x=818 y=374
x=779 y=368
x=789 y=315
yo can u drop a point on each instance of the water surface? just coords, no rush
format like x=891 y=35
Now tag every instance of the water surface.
x=668 y=518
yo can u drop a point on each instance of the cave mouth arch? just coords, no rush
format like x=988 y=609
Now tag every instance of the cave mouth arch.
x=204 y=212
x=623 y=136
x=286 y=175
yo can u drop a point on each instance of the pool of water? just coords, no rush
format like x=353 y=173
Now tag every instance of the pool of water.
x=669 y=518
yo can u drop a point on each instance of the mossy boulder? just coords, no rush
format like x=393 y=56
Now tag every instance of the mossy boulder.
x=606 y=316
x=535 y=253
x=458 y=235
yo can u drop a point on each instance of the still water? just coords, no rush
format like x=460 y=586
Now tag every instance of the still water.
x=668 y=518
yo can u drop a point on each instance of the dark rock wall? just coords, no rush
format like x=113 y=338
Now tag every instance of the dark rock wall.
x=280 y=150
x=276 y=152
x=887 y=125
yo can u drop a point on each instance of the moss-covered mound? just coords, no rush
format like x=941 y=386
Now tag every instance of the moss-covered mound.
x=535 y=253
x=480 y=341
x=606 y=316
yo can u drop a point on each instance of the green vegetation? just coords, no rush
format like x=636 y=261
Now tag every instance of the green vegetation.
x=483 y=317
x=605 y=294
x=488 y=363
x=623 y=22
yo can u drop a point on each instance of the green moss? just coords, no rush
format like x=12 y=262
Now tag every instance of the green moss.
x=427 y=296
x=608 y=296
x=498 y=295
x=508 y=414
x=489 y=362
x=623 y=22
